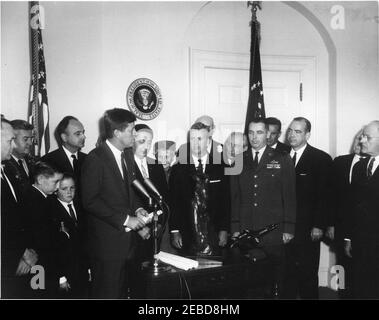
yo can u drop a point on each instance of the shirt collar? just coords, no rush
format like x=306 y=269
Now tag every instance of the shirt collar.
x=65 y=203
x=203 y=159
x=274 y=145
x=139 y=161
x=17 y=159
x=43 y=193
x=116 y=152
x=298 y=152
x=261 y=151
x=69 y=153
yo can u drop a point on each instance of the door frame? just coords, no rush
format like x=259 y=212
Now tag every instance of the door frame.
x=200 y=60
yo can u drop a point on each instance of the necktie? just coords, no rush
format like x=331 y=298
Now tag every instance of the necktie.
x=255 y=162
x=199 y=166
x=71 y=211
x=144 y=173
x=21 y=164
x=369 y=168
x=294 y=159
x=74 y=163
x=125 y=174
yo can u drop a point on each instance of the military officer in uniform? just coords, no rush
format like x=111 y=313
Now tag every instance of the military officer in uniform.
x=264 y=193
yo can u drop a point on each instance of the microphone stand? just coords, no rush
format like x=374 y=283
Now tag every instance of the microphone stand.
x=155 y=266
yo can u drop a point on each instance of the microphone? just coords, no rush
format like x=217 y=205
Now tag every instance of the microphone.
x=149 y=184
x=142 y=190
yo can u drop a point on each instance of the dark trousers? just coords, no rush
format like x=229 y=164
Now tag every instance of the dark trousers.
x=347 y=264
x=303 y=270
x=108 y=279
x=366 y=269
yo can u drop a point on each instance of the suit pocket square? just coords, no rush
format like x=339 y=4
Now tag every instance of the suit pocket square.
x=303 y=174
x=214 y=181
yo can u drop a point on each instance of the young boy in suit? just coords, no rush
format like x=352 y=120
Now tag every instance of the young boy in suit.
x=71 y=258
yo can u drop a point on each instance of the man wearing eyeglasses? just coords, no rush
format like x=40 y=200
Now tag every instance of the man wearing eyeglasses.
x=362 y=240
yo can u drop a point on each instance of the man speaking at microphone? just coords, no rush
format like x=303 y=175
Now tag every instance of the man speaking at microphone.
x=114 y=214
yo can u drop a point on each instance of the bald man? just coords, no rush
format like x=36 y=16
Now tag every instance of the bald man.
x=362 y=240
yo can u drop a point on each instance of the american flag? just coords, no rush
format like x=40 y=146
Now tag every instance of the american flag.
x=38 y=113
x=255 y=105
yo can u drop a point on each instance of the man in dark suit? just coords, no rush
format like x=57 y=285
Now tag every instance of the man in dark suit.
x=113 y=212
x=342 y=175
x=275 y=131
x=68 y=157
x=68 y=221
x=40 y=226
x=313 y=191
x=17 y=257
x=362 y=239
x=264 y=194
x=20 y=165
x=200 y=199
x=213 y=147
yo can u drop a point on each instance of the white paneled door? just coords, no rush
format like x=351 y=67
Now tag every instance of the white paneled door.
x=219 y=88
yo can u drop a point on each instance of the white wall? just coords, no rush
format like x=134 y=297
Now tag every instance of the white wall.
x=95 y=50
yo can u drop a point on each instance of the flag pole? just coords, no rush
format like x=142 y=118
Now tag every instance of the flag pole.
x=255 y=105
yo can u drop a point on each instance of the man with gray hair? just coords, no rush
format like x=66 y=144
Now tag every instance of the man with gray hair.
x=362 y=240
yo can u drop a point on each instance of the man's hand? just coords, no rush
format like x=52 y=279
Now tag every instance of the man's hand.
x=223 y=238
x=28 y=260
x=144 y=233
x=236 y=234
x=330 y=232
x=141 y=212
x=287 y=237
x=348 y=248
x=22 y=268
x=316 y=234
x=65 y=286
x=30 y=257
x=135 y=223
x=176 y=240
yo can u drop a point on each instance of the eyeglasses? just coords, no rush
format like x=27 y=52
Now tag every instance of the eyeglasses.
x=367 y=137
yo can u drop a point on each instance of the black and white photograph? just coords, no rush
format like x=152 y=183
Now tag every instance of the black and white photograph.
x=189 y=150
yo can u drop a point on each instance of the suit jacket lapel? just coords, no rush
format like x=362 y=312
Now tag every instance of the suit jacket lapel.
x=111 y=161
x=66 y=164
x=303 y=158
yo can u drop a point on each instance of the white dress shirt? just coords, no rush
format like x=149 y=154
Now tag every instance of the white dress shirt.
x=375 y=165
x=260 y=153
x=142 y=163
x=69 y=154
x=299 y=153
x=204 y=161
x=66 y=204
x=24 y=165
x=355 y=160
x=4 y=176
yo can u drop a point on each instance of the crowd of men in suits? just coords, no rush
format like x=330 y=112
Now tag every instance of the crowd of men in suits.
x=83 y=218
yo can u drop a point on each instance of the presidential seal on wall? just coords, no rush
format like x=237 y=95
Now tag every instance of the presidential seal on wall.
x=144 y=99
